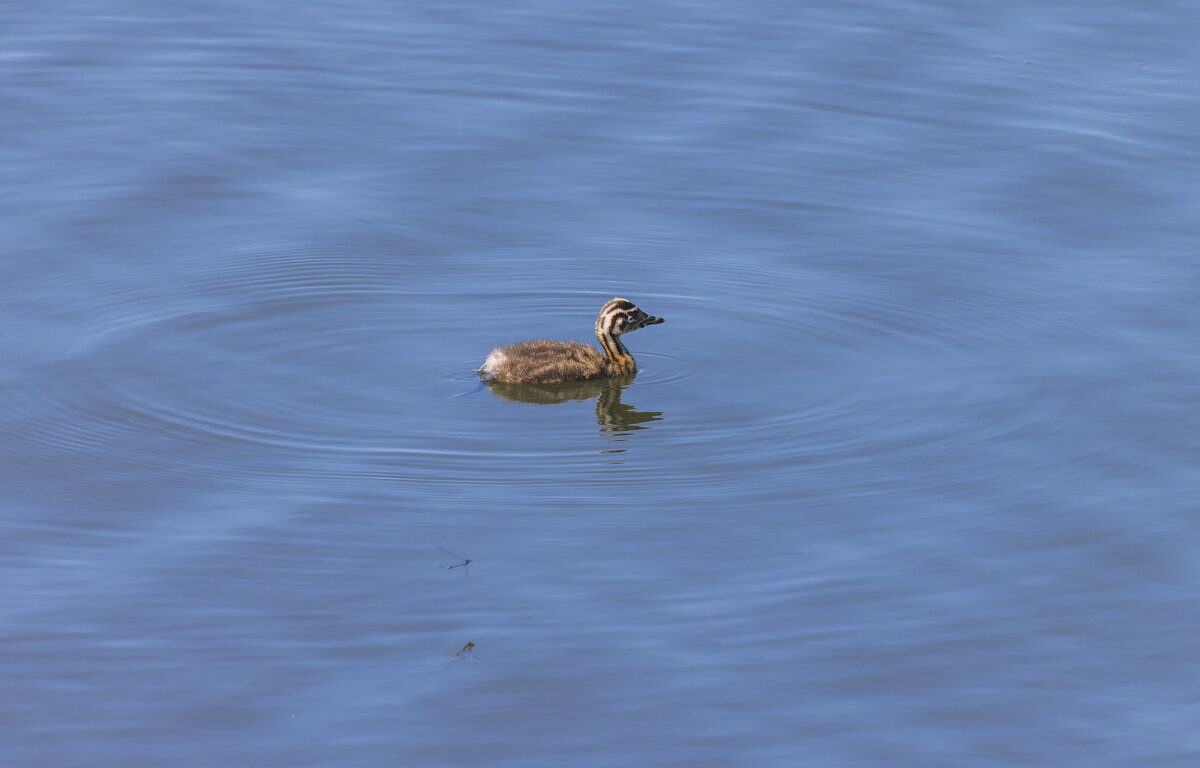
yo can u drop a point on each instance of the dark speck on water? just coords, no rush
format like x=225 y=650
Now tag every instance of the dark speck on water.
x=909 y=478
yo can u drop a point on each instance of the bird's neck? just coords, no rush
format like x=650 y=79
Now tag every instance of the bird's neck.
x=614 y=350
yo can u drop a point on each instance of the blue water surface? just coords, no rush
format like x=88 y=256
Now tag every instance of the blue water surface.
x=908 y=476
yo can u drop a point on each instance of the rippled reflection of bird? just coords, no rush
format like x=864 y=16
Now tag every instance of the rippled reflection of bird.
x=611 y=414
x=543 y=361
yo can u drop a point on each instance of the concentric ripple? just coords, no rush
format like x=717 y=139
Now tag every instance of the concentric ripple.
x=1147 y=95
x=323 y=368
x=1133 y=91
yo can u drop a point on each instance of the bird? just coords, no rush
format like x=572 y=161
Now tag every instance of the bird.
x=544 y=361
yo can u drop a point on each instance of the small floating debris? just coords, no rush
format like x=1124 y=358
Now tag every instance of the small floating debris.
x=456 y=561
x=466 y=653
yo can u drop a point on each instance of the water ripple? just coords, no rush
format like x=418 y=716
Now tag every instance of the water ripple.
x=1147 y=95
x=324 y=367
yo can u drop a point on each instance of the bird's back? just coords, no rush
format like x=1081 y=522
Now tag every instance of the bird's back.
x=544 y=360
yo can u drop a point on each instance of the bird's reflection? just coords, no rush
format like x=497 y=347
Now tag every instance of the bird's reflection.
x=613 y=416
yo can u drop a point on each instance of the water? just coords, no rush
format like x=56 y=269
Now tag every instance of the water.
x=908 y=477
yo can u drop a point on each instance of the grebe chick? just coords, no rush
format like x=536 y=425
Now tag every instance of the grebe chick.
x=543 y=361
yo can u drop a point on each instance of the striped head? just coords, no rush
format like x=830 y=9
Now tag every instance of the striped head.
x=622 y=316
